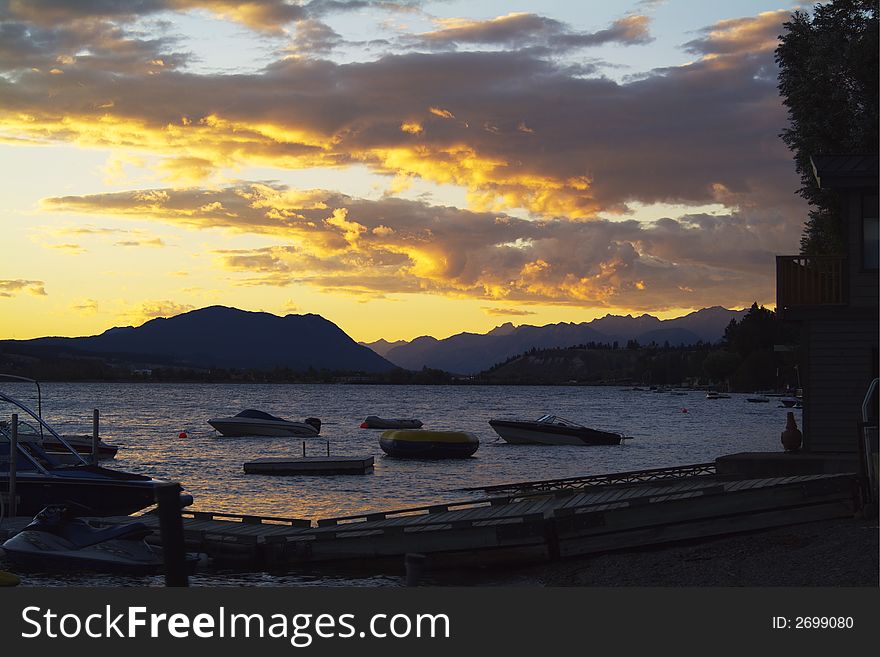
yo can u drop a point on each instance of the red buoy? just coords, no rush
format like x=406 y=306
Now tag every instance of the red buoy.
x=182 y=434
x=684 y=410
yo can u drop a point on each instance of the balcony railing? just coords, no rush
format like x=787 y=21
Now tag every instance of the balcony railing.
x=810 y=281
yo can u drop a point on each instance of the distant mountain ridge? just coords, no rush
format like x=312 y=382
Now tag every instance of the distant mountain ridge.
x=222 y=337
x=470 y=353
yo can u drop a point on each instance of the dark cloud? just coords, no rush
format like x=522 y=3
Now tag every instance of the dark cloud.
x=527 y=132
x=264 y=15
x=521 y=30
x=312 y=37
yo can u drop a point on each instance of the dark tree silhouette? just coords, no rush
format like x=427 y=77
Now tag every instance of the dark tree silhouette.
x=828 y=79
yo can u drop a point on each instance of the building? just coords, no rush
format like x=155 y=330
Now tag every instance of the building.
x=834 y=299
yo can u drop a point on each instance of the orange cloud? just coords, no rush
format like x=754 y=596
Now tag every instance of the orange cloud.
x=373 y=248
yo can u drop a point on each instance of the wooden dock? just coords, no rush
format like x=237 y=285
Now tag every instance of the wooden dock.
x=521 y=528
x=542 y=521
x=311 y=465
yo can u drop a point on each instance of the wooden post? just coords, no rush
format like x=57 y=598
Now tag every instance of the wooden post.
x=13 y=466
x=304 y=449
x=328 y=447
x=95 y=436
x=414 y=564
x=171 y=529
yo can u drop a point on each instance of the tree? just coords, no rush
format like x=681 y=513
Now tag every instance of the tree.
x=828 y=79
x=757 y=331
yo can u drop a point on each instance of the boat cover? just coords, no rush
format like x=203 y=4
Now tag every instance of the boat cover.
x=259 y=415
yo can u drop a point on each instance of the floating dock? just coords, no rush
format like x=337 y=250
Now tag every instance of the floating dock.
x=311 y=465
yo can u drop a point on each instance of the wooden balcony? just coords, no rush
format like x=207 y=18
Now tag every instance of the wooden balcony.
x=810 y=281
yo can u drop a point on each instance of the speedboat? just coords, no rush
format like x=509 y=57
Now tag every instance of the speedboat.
x=717 y=395
x=376 y=422
x=82 y=445
x=758 y=399
x=251 y=422
x=45 y=477
x=552 y=430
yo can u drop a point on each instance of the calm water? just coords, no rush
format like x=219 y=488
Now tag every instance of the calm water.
x=144 y=420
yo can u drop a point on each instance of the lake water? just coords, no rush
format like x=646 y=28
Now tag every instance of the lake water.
x=144 y=420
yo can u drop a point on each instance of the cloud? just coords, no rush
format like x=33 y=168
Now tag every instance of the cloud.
x=85 y=307
x=520 y=30
x=153 y=309
x=314 y=37
x=507 y=311
x=156 y=242
x=740 y=35
x=388 y=246
x=9 y=288
x=268 y=16
x=689 y=134
x=72 y=249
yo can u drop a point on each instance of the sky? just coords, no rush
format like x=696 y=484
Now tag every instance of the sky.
x=400 y=167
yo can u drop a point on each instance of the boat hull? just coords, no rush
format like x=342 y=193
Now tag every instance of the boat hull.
x=374 y=422
x=536 y=433
x=110 y=496
x=233 y=428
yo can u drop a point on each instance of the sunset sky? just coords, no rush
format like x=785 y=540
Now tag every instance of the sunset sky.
x=401 y=167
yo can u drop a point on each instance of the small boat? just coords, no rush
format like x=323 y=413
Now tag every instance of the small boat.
x=376 y=422
x=789 y=402
x=552 y=430
x=81 y=445
x=252 y=422
x=758 y=399
x=419 y=444
x=58 y=540
x=717 y=395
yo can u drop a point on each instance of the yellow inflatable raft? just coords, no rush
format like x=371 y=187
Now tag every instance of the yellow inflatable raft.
x=419 y=444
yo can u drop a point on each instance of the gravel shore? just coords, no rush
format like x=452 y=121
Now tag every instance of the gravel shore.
x=827 y=553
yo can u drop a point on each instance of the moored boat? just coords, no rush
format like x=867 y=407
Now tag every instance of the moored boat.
x=420 y=444
x=552 y=430
x=251 y=422
x=376 y=422
x=43 y=478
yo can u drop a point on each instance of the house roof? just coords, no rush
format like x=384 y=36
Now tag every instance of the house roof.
x=850 y=170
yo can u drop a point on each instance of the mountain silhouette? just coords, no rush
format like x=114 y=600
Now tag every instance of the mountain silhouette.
x=221 y=337
x=470 y=353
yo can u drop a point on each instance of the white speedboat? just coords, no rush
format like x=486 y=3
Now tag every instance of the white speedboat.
x=252 y=422
x=717 y=395
x=552 y=430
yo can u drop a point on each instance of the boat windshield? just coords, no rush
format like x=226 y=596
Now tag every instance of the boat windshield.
x=259 y=415
x=555 y=419
x=29 y=431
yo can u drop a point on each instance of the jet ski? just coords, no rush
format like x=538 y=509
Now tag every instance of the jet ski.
x=57 y=539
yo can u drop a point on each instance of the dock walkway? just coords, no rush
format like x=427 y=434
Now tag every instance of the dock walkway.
x=523 y=527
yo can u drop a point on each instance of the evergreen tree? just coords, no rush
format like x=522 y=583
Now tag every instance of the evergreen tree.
x=828 y=79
